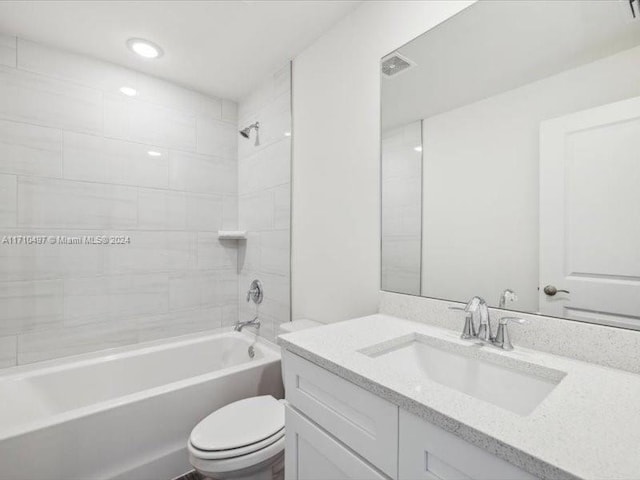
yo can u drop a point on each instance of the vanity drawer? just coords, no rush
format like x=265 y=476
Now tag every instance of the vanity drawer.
x=358 y=418
x=313 y=454
x=428 y=452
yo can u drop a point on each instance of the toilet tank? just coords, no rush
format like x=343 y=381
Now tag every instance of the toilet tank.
x=294 y=326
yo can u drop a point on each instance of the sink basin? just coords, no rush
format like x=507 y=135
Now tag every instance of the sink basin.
x=501 y=380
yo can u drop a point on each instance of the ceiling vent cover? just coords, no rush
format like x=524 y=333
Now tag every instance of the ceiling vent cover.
x=394 y=64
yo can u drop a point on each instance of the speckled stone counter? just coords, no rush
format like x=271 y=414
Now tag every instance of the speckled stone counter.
x=588 y=427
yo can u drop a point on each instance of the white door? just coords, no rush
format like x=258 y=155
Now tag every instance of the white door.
x=590 y=215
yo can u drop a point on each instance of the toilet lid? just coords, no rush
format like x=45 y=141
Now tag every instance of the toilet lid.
x=239 y=424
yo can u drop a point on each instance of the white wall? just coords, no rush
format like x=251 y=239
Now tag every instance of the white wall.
x=73 y=162
x=481 y=174
x=264 y=188
x=336 y=154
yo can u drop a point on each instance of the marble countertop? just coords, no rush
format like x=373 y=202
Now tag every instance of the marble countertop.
x=588 y=427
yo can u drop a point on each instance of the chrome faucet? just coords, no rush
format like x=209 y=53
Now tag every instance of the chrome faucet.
x=255 y=323
x=478 y=307
x=476 y=311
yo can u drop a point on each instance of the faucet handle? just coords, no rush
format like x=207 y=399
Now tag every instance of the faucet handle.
x=503 y=340
x=469 y=330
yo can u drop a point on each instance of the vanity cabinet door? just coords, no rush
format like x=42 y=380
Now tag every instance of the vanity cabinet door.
x=313 y=454
x=353 y=415
x=428 y=452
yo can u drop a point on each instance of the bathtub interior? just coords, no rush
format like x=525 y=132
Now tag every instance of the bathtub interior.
x=36 y=394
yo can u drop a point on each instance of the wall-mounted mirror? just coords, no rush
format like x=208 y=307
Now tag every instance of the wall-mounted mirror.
x=511 y=160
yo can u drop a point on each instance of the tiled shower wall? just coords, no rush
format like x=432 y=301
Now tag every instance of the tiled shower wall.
x=74 y=161
x=264 y=188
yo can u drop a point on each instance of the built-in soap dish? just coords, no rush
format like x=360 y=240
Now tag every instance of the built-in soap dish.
x=232 y=234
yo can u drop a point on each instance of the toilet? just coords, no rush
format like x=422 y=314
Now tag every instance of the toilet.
x=245 y=439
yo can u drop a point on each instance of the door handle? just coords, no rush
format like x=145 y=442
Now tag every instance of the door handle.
x=551 y=290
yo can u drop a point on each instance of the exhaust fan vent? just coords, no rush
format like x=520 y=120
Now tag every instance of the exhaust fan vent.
x=394 y=64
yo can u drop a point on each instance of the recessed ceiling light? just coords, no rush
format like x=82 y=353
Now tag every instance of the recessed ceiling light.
x=287 y=134
x=418 y=148
x=153 y=153
x=128 y=91
x=144 y=48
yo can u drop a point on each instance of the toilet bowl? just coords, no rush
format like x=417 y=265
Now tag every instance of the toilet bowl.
x=245 y=439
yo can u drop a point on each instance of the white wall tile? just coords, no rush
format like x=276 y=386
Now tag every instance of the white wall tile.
x=26 y=306
x=179 y=323
x=108 y=77
x=42 y=262
x=282 y=206
x=256 y=211
x=275 y=248
x=227 y=287
x=264 y=176
x=215 y=137
x=99 y=159
x=74 y=162
x=193 y=290
x=8 y=351
x=8 y=199
x=61 y=342
x=158 y=251
x=7 y=50
x=216 y=253
x=114 y=297
x=32 y=98
x=162 y=209
x=200 y=173
x=205 y=212
x=230 y=314
x=249 y=252
x=229 y=110
x=172 y=210
x=230 y=212
x=167 y=94
x=30 y=150
x=116 y=116
x=161 y=126
x=61 y=203
x=268 y=167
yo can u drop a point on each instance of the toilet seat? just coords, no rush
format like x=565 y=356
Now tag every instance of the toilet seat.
x=238 y=436
x=236 y=452
x=239 y=424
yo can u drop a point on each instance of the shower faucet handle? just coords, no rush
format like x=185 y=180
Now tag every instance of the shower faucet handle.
x=255 y=292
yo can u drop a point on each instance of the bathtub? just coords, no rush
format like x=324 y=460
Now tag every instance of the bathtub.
x=125 y=414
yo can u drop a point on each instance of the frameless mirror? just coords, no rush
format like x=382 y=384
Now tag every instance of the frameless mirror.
x=511 y=160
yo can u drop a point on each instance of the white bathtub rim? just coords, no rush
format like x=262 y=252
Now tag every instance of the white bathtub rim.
x=271 y=355
x=125 y=351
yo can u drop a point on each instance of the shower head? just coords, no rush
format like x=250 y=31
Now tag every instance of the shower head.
x=246 y=131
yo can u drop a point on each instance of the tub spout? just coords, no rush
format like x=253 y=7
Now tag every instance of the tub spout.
x=255 y=323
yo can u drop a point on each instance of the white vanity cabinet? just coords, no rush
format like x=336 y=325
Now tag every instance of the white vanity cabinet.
x=428 y=452
x=336 y=430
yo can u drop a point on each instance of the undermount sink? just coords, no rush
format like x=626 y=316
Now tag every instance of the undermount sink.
x=514 y=385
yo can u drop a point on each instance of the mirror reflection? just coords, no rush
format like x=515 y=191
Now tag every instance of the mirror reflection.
x=510 y=164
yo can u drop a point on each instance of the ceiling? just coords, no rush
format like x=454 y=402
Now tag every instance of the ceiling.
x=222 y=48
x=495 y=46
